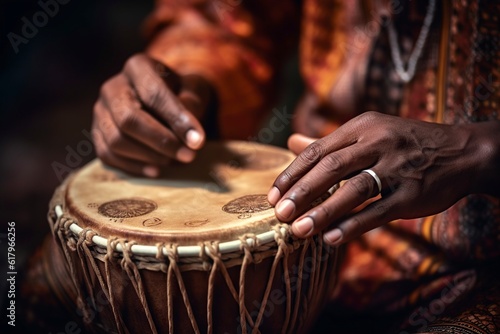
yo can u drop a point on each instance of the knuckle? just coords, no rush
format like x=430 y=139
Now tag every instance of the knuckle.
x=152 y=93
x=369 y=116
x=312 y=153
x=301 y=190
x=110 y=87
x=128 y=121
x=134 y=62
x=333 y=163
x=102 y=153
x=324 y=214
x=389 y=135
x=381 y=210
x=362 y=185
x=106 y=88
x=114 y=141
x=357 y=225
x=285 y=178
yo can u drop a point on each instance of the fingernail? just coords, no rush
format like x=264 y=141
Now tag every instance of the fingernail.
x=193 y=138
x=303 y=226
x=333 y=237
x=151 y=171
x=273 y=195
x=286 y=208
x=184 y=154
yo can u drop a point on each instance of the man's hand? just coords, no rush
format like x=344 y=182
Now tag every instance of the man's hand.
x=424 y=168
x=147 y=116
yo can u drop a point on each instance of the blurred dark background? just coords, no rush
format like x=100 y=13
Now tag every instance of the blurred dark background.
x=47 y=92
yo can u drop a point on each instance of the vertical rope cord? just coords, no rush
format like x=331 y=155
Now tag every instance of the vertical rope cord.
x=241 y=292
x=227 y=279
x=314 y=274
x=97 y=271
x=170 y=309
x=135 y=277
x=160 y=256
x=107 y=260
x=247 y=259
x=72 y=269
x=298 y=292
x=82 y=239
x=313 y=281
x=173 y=258
x=288 y=291
x=210 y=297
x=282 y=249
x=324 y=268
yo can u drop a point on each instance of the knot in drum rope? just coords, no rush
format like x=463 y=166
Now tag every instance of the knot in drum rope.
x=160 y=256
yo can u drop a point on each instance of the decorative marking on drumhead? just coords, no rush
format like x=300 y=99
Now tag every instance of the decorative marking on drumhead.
x=247 y=204
x=152 y=222
x=127 y=208
x=196 y=223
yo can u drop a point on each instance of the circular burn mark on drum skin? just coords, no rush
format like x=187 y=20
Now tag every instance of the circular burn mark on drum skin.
x=127 y=208
x=247 y=204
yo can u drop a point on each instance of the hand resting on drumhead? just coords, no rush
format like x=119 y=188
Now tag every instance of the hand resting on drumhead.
x=423 y=168
x=147 y=115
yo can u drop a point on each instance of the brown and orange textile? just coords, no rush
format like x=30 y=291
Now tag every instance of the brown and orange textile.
x=345 y=60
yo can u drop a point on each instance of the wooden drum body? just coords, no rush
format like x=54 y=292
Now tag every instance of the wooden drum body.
x=198 y=250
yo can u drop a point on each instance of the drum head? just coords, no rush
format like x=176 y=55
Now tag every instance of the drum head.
x=219 y=196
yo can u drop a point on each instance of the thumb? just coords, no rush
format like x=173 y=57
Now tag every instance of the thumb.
x=297 y=142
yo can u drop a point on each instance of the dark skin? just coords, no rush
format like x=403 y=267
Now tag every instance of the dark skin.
x=424 y=168
x=147 y=115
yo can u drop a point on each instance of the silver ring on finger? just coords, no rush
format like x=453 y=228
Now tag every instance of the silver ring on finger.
x=375 y=177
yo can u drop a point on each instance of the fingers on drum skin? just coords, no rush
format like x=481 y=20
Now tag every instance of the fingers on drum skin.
x=129 y=121
x=374 y=215
x=311 y=155
x=329 y=171
x=353 y=193
x=158 y=98
x=120 y=144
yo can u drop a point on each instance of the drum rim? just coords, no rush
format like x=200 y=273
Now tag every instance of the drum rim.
x=182 y=251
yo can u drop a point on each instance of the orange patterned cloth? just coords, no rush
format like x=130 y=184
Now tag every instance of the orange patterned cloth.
x=239 y=46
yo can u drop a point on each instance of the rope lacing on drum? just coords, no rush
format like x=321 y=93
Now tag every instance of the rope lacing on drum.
x=66 y=223
x=160 y=246
x=249 y=248
x=84 y=240
x=173 y=269
x=61 y=227
x=134 y=275
x=213 y=252
x=108 y=258
x=248 y=257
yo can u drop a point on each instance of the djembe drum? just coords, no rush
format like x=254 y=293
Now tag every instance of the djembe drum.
x=197 y=250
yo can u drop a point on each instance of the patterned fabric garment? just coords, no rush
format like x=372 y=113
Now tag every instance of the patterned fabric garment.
x=426 y=269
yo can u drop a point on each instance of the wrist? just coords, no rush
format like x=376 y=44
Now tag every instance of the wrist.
x=484 y=148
